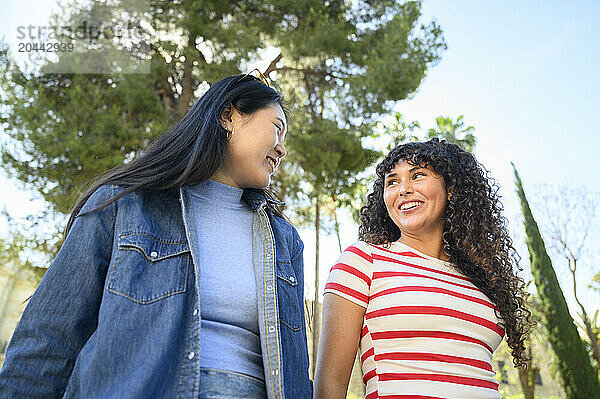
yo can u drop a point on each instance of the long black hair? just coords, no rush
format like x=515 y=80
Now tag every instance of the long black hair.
x=194 y=149
x=475 y=236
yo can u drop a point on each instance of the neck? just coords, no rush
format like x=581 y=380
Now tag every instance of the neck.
x=429 y=244
x=218 y=193
x=222 y=177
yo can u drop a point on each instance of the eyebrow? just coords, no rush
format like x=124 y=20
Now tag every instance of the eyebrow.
x=393 y=174
x=282 y=121
x=283 y=129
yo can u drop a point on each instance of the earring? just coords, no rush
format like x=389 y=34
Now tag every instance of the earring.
x=230 y=133
x=449 y=196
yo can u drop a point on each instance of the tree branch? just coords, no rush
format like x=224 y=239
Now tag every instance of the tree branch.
x=309 y=71
x=272 y=65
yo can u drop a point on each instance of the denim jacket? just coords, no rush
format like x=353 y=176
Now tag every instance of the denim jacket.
x=117 y=313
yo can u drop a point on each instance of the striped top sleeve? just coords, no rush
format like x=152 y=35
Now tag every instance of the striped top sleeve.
x=351 y=276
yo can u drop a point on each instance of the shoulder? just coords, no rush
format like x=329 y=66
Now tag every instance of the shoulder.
x=105 y=193
x=117 y=198
x=351 y=276
x=99 y=197
x=361 y=250
x=283 y=224
x=287 y=231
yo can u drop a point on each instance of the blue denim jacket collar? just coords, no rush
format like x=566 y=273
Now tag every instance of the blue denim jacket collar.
x=256 y=199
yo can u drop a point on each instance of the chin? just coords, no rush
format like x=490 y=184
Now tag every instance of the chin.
x=412 y=228
x=261 y=184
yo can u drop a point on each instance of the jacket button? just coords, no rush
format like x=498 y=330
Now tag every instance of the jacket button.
x=272 y=328
x=153 y=254
x=269 y=288
x=292 y=279
x=191 y=355
x=195 y=312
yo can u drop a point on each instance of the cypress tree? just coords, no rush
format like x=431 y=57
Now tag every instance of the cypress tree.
x=578 y=377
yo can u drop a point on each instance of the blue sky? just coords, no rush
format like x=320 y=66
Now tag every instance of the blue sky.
x=524 y=74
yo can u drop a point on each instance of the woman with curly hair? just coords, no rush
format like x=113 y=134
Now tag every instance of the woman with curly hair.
x=430 y=290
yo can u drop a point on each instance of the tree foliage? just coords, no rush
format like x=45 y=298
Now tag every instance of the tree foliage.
x=15 y=247
x=454 y=132
x=398 y=131
x=340 y=64
x=67 y=129
x=578 y=377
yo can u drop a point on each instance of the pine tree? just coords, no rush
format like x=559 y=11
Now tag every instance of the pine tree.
x=578 y=376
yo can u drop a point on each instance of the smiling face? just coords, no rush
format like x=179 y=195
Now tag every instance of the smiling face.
x=415 y=198
x=255 y=149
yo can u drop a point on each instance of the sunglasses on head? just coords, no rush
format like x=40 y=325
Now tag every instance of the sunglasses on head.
x=254 y=74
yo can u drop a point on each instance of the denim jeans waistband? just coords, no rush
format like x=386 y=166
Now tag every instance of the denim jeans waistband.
x=223 y=384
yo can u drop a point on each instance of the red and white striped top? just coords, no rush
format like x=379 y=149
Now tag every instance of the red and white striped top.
x=428 y=332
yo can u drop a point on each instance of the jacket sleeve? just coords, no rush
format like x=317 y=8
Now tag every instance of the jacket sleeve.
x=63 y=312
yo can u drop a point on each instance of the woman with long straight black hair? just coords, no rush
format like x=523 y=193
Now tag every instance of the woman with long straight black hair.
x=178 y=276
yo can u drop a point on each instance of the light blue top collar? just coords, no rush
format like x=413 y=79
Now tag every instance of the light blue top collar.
x=218 y=193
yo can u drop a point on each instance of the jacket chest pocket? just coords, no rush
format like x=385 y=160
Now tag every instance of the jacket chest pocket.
x=291 y=308
x=147 y=269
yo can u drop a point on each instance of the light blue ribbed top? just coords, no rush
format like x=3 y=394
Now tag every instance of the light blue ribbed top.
x=230 y=337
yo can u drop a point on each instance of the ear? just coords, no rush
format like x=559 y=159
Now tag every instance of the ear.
x=230 y=117
x=227 y=117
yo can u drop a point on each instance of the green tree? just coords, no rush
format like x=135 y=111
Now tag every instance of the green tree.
x=578 y=376
x=67 y=128
x=16 y=248
x=454 y=132
x=11 y=250
x=395 y=130
x=340 y=83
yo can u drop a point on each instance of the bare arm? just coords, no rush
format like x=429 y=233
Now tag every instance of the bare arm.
x=340 y=335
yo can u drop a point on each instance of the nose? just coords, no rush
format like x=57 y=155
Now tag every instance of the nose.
x=405 y=187
x=280 y=149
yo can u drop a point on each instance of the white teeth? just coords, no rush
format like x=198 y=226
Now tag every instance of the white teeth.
x=410 y=205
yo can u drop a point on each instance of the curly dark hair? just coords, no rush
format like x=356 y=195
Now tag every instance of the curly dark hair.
x=475 y=236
